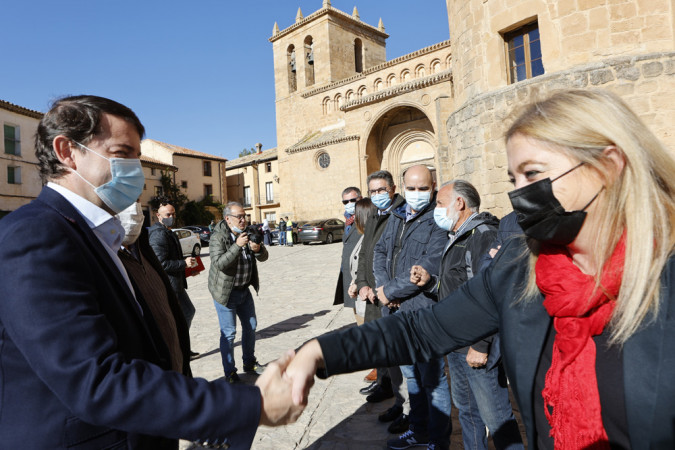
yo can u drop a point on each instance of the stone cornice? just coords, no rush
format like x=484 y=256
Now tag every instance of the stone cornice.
x=399 y=89
x=20 y=110
x=384 y=65
x=303 y=148
x=323 y=12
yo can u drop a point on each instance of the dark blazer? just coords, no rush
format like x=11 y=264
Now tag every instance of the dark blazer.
x=79 y=364
x=349 y=241
x=485 y=304
x=167 y=247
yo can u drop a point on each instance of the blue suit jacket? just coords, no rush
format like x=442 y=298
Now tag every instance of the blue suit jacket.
x=79 y=365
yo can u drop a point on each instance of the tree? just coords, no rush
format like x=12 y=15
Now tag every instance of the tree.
x=171 y=193
x=245 y=152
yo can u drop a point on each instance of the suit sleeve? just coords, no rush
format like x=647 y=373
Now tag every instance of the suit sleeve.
x=380 y=266
x=160 y=245
x=480 y=245
x=466 y=316
x=57 y=307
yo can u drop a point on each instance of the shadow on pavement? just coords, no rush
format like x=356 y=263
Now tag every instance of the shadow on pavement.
x=294 y=323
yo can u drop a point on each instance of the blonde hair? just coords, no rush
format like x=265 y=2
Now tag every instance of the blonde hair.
x=582 y=123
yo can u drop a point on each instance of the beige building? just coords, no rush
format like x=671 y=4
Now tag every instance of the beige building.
x=198 y=175
x=153 y=170
x=344 y=111
x=253 y=180
x=19 y=175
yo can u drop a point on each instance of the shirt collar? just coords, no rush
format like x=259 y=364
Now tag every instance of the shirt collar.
x=107 y=228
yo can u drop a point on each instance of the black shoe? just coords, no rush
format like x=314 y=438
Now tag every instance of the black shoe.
x=232 y=377
x=372 y=387
x=400 y=425
x=391 y=414
x=256 y=368
x=379 y=395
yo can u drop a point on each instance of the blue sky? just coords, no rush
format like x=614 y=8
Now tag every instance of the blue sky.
x=199 y=73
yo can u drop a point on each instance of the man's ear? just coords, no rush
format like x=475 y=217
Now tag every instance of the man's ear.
x=64 y=149
x=461 y=204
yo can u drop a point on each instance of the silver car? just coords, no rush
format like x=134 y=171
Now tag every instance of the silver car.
x=326 y=231
x=189 y=241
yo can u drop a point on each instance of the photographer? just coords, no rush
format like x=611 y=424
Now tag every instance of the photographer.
x=234 y=249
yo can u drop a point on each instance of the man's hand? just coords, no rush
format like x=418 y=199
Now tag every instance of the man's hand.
x=476 y=359
x=352 y=291
x=493 y=251
x=419 y=276
x=277 y=406
x=302 y=369
x=242 y=239
x=255 y=248
x=367 y=293
x=190 y=261
x=381 y=297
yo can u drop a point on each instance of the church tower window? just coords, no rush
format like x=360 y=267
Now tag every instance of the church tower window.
x=309 y=61
x=291 y=63
x=358 y=55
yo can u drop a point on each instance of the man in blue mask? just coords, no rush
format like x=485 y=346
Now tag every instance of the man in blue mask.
x=84 y=363
x=350 y=238
x=411 y=237
x=167 y=247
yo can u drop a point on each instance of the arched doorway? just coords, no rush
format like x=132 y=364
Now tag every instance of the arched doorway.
x=401 y=137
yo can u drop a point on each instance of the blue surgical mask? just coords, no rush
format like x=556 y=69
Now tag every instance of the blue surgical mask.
x=418 y=200
x=443 y=221
x=125 y=186
x=382 y=201
x=350 y=208
x=237 y=230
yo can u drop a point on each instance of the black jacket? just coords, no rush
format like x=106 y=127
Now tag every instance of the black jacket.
x=486 y=304
x=349 y=241
x=166 y=246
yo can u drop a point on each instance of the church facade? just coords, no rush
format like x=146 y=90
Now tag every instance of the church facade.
x=344 y=111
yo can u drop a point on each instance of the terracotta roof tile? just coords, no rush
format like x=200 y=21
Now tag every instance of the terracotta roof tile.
x=176 y=150
x=265 y=155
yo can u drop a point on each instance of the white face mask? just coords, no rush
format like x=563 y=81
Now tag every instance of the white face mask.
x=132 y=220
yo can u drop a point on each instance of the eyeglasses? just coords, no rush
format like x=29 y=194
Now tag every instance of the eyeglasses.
x=381 y=190
x=239 y=217
x=351 y=200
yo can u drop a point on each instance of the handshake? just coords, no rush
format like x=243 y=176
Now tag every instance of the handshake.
x=285 y=384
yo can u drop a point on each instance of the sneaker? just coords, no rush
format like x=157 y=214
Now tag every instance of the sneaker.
x=232 y=378
x=391 y=414
x=400 y=425
x=407 y=440
x=381 y=394
x=256 y=367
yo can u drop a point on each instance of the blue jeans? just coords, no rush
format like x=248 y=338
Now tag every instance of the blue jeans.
x=282 y=237
x=239 y=304
x=429 y=400
x=482 y=398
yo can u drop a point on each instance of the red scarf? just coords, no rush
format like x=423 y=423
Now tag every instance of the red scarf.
x=579 y=312
x=350 y=220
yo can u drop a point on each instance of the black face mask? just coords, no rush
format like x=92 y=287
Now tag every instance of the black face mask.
x=542 y=217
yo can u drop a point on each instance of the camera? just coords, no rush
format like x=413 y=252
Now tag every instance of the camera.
x=254 y=234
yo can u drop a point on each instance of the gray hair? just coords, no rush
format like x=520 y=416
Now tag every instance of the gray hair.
x=351 y=189
x=467 y=192
x=381 y=175
x=227 y=211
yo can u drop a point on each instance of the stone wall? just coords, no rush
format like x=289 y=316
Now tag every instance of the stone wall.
x=477 y=152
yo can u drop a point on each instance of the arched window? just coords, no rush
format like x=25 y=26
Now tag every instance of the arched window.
x=378 y=85
x=325 y=105
x=361 y=92
x=358 y=55
x=391 y=80
x=405 y=75
x=338 y=102
x=291 y=64
x=448 y=60
x=309 y=61
x=350 y=95
x=419 y=71
x=435 y=66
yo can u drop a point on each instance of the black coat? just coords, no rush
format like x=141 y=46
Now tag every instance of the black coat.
x=484 y=305
x=167 y=247
x=349 y=241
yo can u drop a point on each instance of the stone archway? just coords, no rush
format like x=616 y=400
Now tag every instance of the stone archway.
x=401 y=137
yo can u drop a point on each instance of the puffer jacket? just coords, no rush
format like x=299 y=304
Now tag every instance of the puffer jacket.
x=421 y=243
x=224 y=256
x=167 y=247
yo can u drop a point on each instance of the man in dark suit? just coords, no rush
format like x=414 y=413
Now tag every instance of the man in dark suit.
x=350 y=238
x=82 y=361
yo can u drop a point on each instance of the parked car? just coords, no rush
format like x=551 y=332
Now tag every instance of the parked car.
x=326 y=231
x=203 y=232
x=189 y=241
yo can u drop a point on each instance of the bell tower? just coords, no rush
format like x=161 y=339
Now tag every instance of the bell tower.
x=326 y=46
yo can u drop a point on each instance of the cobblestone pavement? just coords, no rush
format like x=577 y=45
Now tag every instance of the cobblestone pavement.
x=295 y=303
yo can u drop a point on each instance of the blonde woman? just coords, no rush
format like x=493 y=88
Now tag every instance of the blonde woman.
x=585 y=305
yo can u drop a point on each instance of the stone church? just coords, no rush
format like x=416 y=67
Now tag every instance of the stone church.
x=343 y=110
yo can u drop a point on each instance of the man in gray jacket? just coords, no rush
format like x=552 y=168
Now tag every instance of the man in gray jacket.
x=233 y=270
